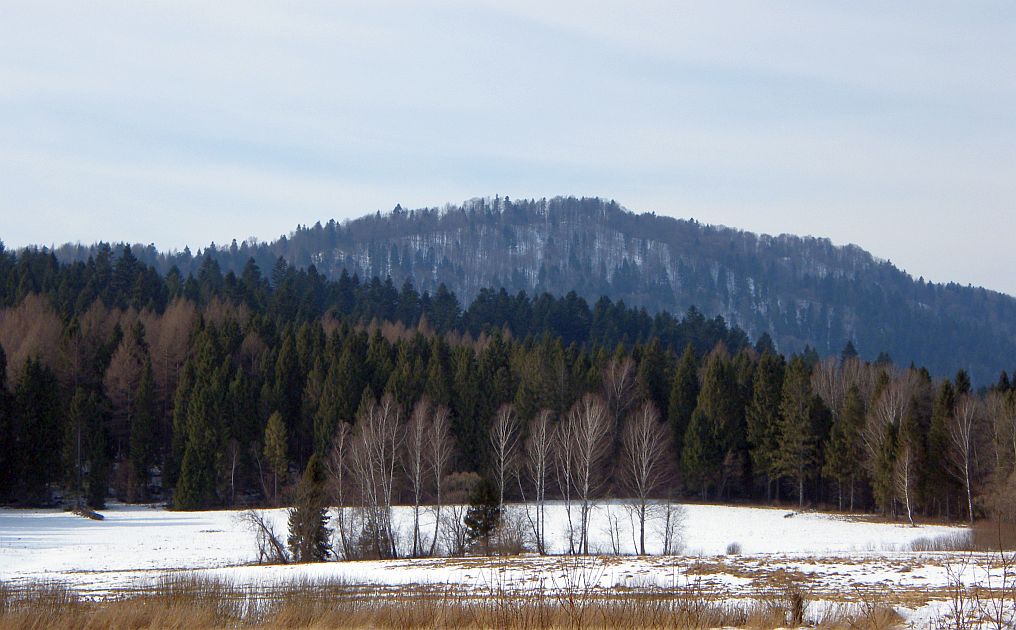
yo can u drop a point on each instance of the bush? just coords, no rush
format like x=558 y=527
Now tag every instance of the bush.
x=510 y=537
x=734 y=549
x=963 y=541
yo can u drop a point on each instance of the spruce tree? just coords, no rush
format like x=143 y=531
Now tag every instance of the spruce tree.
x=483 y=515
x=654 y=376
x=719 y=400
x=331 y=405
x=6 y=435
x=845 y=449
x=940 y=485
x=963 y=384
x=308 y=532
x=849 y=352
x=276 y=451
x=142 y=436
x=85 y=456
x=438 y=387
x=763 y=419
x=684 y=390
x=36 y=446
x=798 y=444
x=701 y=453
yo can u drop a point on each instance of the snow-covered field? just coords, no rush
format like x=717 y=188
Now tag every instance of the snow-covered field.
x=833 y=556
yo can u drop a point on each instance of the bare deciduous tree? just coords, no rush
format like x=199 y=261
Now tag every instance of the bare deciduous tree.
x=337 y=467
x=586 y=441
x=538 y=460
x=619 y=386
x=963 y=427
x=643 y=462
x=504 y=437
x=904 y=477
x=271 y=549
x=828 y=382
x=413 y=460
x=883 y=420
x=373 y=455
x=440 y=445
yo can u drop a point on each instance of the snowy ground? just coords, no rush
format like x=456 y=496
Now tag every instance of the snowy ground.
x=835 y=558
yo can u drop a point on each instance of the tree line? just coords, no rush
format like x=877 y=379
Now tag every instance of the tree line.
x=219 y=390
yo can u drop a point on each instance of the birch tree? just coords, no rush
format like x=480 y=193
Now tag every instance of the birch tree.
x=643 y=462
x=439 y=447
x=504 y=437
x=961 y=454
x=538 y=459
x=373 y=456
x=337 y=466
x=588 y=435
x=413 y=461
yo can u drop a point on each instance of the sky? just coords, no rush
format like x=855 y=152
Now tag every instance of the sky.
x=891 y=125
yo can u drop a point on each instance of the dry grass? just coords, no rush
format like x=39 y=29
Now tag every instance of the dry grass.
x=992 y=535
x=193 y=603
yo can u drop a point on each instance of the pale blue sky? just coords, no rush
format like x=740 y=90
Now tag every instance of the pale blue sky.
x=889 y=125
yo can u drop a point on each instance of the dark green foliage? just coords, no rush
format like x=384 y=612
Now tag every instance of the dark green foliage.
x=684 y=391
x=701 y=454
x=941 y=485
x=849 y=352
x=6 y=431
x=86 y=449
x=763 y=419
x=484 y=514
x=36 y=443
x=718 y=449
x=309 y=535
x=798 y=441
x=845 y=449
x=654 y=376
x=196 y=488
x=142 y=436
x=309 y=348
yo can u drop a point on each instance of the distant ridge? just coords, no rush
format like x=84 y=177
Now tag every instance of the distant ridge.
x=800 y=290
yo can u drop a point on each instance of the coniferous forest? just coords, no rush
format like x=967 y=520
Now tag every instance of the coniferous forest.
x=221 y=389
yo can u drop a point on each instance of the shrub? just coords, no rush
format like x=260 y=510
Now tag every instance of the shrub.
x=734 y=549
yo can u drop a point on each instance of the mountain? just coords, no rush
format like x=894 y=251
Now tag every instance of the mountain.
x=800 y=290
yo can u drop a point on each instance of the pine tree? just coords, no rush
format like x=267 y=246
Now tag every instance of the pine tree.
x=963 y=384
x=940 y=484
x=684 y=391
x=484 y=514
x=36 y=446
x=654 y=376
x=142 y=436
x=849 y=352
x=276 y=451
x=438 y=388
x=289 y=391
x=701 y=453
x=195 y=489
x=308 y=532
x=797 y=446
x=332 y=404
x=86 y=449
x=719 y=400
x=763 y=419
x=6 y=430
x=178 y=441
x=845 y=449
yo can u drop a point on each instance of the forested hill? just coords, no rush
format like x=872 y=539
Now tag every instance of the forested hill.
x=802 y=291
